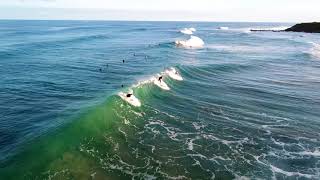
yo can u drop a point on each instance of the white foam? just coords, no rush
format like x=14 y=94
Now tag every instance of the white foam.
x=173 y=73
x=187 y=31
x=243 y=30
x=193 y=42
x=276 y=28
x=315 y=153
x=131 y=100
x=289 y=174
x=192 y=29
x=224 y=28
x=315 y=50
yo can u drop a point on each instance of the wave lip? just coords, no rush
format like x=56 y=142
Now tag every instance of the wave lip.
x=193 y=42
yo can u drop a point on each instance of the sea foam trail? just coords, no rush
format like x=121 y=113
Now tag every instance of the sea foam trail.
x=193 y=42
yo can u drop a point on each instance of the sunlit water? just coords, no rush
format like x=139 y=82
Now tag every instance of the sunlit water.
x=248 y=105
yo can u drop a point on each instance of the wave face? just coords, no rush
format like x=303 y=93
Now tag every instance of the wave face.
x=247 y=105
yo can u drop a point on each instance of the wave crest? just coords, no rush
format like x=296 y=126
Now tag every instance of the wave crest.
x=188 y=31
x=193 y=42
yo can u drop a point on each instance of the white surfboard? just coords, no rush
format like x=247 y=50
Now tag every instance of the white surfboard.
x=161 y=84
x=131 y=100
x=173 y=73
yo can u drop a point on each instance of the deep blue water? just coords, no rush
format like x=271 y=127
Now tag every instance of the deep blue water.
x=248 y=107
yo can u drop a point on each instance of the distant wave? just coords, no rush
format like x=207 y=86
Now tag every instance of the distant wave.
x=60 y=28
x=32 y=46
x=187 y=31
x=251 y=29
x=251 y=48
x=71 y=28
x=241 y=30
x=277 y=28
x=193 y=42
x=237 y=48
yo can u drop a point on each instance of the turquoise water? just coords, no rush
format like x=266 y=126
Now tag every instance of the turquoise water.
x=248 y=105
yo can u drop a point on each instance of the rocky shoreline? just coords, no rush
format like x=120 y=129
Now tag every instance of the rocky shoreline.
x=313 y=27
x=305 y=27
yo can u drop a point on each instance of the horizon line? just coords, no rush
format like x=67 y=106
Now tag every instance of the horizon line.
x=133 y=20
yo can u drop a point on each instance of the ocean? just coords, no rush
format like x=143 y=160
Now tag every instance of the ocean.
x=248 y=106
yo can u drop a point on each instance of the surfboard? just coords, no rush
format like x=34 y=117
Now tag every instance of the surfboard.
x=131 y=100
x=173 y=73
x=161 y=84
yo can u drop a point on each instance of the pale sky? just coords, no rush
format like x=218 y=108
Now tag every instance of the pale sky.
x=187 y=10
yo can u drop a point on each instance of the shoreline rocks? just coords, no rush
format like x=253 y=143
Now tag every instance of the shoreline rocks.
x=313 y=27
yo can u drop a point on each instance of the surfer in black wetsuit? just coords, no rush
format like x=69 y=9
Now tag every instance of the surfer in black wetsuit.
x=129 y=95
x=160 y=78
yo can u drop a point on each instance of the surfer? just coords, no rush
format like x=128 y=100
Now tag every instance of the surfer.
x=123 y=61
x=160 y=78
x=129 y=95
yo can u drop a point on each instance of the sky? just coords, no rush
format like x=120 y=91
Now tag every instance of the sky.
x=165 y=10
